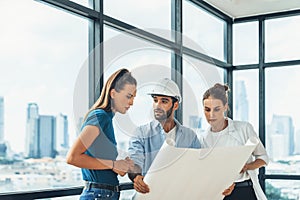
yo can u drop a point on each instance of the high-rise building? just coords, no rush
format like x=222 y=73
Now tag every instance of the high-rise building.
x=40 y=134
x=78 y=126
x=297 y=144
x=31 y=144
x=1 y=119
x=46 y=136
x=241 y=105
x=3 y=145
x=194 y=122
x=62 y=134
x=280 y=133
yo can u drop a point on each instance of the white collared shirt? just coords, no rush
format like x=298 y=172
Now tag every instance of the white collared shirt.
x=171 y=136
x=235 y=134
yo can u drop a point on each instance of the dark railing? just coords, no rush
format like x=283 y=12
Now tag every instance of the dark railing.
x=50 y=193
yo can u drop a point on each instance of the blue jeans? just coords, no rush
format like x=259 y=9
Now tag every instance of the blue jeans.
x=99 y=194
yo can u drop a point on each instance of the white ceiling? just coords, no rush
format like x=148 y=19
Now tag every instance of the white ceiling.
x=246 y=8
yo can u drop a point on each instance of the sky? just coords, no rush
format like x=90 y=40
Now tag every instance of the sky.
x=40 y=61
x=44 y=54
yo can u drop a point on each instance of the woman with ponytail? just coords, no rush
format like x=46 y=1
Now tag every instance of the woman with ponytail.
x=95 y=150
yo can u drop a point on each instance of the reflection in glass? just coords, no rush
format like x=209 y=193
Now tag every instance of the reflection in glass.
x=282 y=39
x=282 y=120
x=282 y=189
x=83 y=2
x=245 y=43
x=155 y=14
x=148 y=63
x=207 y=31
x=37 y=81
x=245 y=96
x=197 y=78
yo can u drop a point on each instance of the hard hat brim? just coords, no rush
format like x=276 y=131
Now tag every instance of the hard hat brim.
x=166 y=95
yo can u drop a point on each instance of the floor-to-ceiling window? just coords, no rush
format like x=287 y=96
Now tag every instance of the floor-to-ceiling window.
x=278 y=61
x=198 y=75
x=43 y=51
x=147 y=62
x=282 y=128
x=45 y=81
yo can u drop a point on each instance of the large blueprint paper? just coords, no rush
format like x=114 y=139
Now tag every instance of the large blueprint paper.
x=194 y=174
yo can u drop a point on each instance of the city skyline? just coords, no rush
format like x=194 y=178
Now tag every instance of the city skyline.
x=57 y=129
x=1 y=119
x=241 y=106
x=280 y=133
x=46 y=135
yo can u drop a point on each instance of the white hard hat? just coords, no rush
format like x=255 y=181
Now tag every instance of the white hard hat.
x=166 y=87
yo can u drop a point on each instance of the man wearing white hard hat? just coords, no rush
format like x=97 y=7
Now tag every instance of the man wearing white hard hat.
x=149 y=138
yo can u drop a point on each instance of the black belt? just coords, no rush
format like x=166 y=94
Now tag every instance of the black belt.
x=246 y=183
x=117 y=188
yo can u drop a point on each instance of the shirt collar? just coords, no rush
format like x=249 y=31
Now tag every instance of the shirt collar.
x=157 y=124
x=230 y=125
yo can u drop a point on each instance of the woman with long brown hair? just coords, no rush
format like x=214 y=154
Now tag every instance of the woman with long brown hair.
x=95 y=150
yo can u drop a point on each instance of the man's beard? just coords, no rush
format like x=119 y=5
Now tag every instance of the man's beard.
x=165 y=115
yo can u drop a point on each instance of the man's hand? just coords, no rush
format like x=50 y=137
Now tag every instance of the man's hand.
x=229 y=190
x=121 y=167
x=140 y=185
x=134 y=171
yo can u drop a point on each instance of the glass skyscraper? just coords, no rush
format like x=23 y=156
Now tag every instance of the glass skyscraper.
x=280 y=134
x=46 y=136
x=62 y=134
x=31 y=145
x=1 y=119
x=241 y=105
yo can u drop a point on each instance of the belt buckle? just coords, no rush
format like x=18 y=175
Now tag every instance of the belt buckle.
x=117 y=188
x=87 y=185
